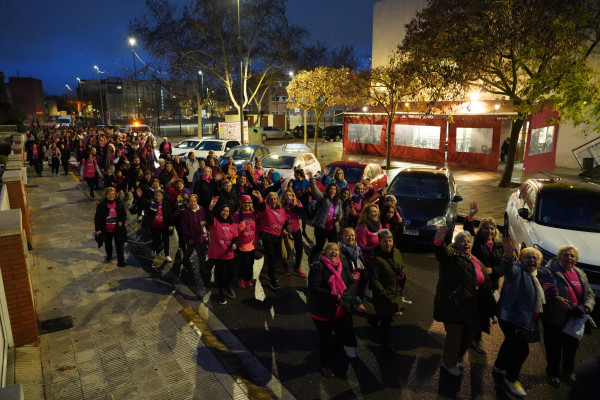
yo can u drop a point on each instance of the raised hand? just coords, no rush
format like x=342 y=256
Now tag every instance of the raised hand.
x=309 y=174
x=473 y=209
x=510 y=247
x=213 y=202
x=440 y=234
x=256 y=194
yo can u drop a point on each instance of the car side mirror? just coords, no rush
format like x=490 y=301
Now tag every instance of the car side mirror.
x=523 y=213
x=457 y=198
x=319 y=175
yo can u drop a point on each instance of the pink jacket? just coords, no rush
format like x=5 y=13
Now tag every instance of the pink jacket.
x=221 y=236
x=367 y=241
x=246 y=230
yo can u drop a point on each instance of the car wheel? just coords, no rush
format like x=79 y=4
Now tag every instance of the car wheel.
x=264 y=137
x=449 y=235
x=286 y=135
x=338 y=138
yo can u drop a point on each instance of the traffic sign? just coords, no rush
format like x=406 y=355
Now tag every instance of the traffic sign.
x=39 y=113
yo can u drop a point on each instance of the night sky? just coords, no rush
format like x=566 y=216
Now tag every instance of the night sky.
x=59 y=40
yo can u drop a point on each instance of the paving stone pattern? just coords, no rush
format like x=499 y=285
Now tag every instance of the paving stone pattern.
x=128 y=340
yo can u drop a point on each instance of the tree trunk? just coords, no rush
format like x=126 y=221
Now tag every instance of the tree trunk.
x=512 y=152
x=199 y=100
x=318 y=115
x=305 y=128
x=388 y=139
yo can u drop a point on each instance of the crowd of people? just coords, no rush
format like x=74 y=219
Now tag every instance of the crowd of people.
x=228 y=220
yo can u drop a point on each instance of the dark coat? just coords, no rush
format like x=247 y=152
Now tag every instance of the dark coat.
x=491 y=258
x=320 y=300
x=191 y=228
x=102 y=214
x=205 y=191
x=385 y=269
x=456 y=299
x=230 y=199
x=151 y=211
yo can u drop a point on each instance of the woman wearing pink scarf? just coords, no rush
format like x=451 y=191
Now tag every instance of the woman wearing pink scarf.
x=330 y=284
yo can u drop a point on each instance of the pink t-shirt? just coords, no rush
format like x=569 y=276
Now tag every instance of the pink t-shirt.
x=246 y=230
x=272 y=220
x=158 y=221
x=221 y=235
x=293 y=217
x=478 y=273
x=575 y=289
x=111 y=220
x=330 y=224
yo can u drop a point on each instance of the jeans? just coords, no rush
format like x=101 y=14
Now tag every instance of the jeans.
x=200 y=249
x=224 y=273
x=457 y=341
x=272 y=245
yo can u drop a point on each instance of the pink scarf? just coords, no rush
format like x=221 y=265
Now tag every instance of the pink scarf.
x=336 y=283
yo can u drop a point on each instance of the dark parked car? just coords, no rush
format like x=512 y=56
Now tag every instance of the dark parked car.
x=429 y=198
x=243 y=154
x=298 y=131
x=334 y=132
x=354 y=172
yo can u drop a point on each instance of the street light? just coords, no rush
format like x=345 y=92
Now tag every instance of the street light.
x=100 y=84
x=202 y=106
x=81 y=95
x=132 y=43
x=241 y=75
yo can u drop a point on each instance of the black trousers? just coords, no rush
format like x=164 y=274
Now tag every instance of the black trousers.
x=559 y=347
x=513 y=351
x=272 y=245
x=328 y=343
x=224 y=272
x=386 y=323
x=321 y=236
x=38 y=165
x=54 y=164
x=92 y=183
x=108 y=247
x=65 y=165
x=245 y=265
x=298 y=248
x=160 y=235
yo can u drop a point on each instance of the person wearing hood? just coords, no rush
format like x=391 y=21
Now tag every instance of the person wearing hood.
x=158 y=220
x=109 y=220
x=520 y=304
x=222 y=246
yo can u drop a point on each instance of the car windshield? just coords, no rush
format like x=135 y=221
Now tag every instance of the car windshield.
x=420 y=187
x=240 y=153
x=210 y=145
x=187 y=144
x=352 y=174
x=278 y=162
x=64 y=120
x=571 y=209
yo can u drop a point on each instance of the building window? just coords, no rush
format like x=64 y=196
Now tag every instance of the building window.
x=364 y=133
x=273 y=112
x=474 y=140
x=424 y=137
x=273 y=99
x=326 y=113
x=542 y=140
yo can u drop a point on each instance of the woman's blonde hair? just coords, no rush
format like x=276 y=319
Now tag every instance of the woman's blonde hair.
x=338 y=169
x=288 y=190
x=328 y=246
x=534 y=251
x=488 y=221
x=273 y=194
x=362 y=218
x=108 y=190
x=565 y=248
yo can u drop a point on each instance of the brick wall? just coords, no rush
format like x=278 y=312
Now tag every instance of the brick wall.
x=17 y=199
x=17 y=288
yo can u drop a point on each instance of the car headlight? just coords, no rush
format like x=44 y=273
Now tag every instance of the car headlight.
x=546 y=255
x=437 y=221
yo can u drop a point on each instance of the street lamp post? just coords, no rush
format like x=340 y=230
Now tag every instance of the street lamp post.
x=241 y=74
x=132 y=43
x=81 y=95
x=202 y=107
x=100 y=85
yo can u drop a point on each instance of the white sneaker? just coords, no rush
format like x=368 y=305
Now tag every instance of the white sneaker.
x=168 y=259
x=515 y=388
x=350 y=351
x=455 y=371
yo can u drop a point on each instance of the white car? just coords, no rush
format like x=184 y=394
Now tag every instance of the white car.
x=218 y=146
x=548 y=214
x=273 y=132
x=285 y=162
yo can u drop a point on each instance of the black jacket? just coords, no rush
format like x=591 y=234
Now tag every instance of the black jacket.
x=102 y=214
x=320 y=300
x=205 y=191
x=491 y=258
x=151 y=211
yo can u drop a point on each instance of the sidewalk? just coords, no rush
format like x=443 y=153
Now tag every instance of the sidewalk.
x=129 y=338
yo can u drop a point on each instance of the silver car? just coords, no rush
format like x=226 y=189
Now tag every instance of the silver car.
x=273 y=132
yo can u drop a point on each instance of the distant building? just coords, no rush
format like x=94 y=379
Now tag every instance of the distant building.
x=27 y=95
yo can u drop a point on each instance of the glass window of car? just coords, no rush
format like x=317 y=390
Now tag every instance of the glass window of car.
x=239 y=153
x=187 y=144
x=352 y=174
x=432 y=187
x=309 y=159
x=210 y=145
x=569 y=209
x=278 y=161
x=231 y=144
